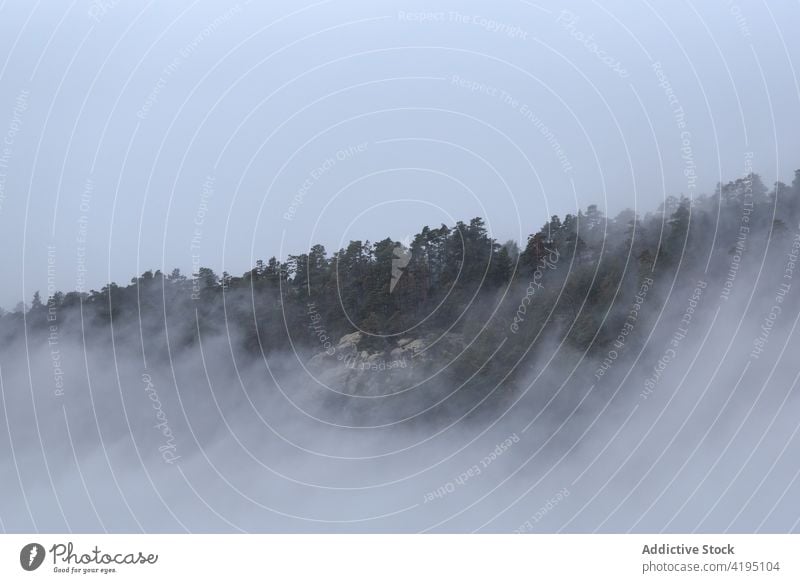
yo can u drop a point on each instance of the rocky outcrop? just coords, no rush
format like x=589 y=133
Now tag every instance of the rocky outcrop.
x=349 y=369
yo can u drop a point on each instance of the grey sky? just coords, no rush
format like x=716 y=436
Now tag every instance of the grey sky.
x=165 y=130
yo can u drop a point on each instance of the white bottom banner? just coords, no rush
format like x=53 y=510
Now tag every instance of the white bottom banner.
x=401 y=558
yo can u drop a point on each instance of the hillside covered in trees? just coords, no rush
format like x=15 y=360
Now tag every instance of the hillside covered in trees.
x=451 y=300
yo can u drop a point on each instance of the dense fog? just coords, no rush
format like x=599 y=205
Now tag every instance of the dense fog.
x=606 y=389
x=454 y=266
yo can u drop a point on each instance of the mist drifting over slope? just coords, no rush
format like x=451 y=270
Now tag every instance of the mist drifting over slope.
x=608 y=380
x=338 y=267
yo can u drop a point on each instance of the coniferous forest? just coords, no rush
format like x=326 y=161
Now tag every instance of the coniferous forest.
x=658 y=326
x=452 y=300
x=391 y=267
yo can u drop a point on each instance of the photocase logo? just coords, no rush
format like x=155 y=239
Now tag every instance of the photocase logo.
x=31 y=556
x=400 y=258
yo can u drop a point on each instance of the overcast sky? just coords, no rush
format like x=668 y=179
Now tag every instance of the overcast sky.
x=140 y=136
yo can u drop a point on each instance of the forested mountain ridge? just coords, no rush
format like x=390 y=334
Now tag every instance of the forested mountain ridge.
x=451 y=295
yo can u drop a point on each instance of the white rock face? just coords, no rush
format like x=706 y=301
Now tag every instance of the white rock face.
x=348 y=370
x=348 y=339
x=414 y=346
